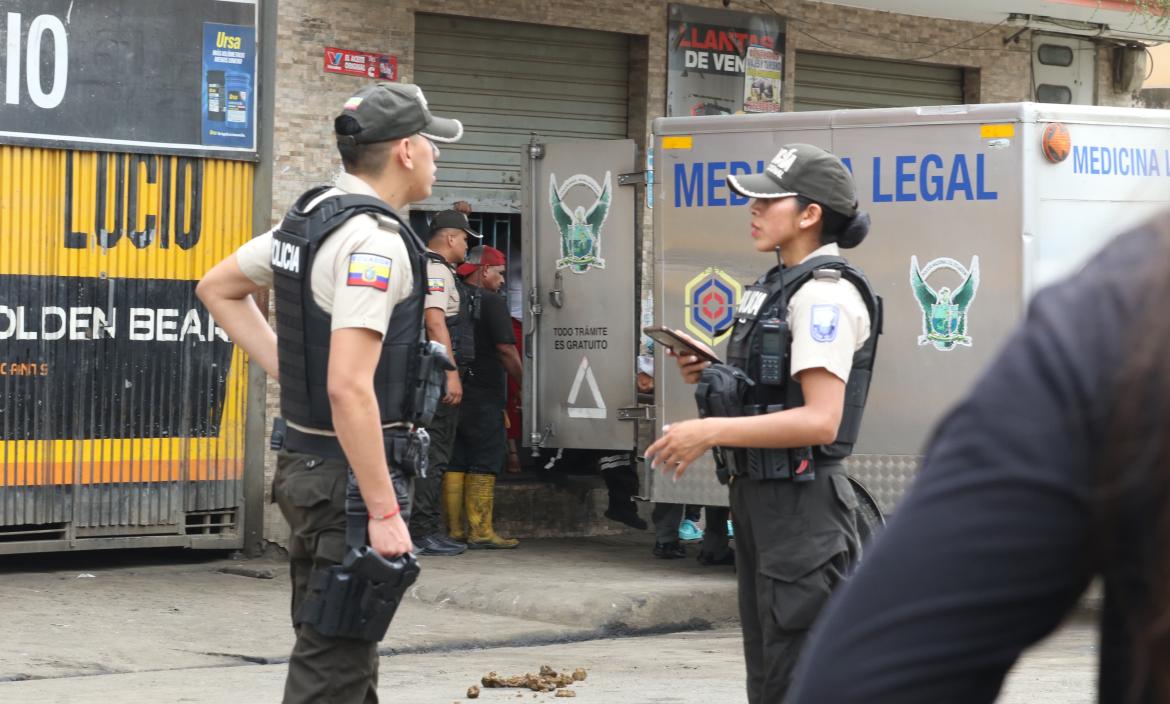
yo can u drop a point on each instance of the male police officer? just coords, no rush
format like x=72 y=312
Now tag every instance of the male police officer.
x=349 y=296
x=786 y=409
x=449 y=322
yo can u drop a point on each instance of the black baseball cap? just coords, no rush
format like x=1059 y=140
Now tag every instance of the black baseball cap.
x=386 y=111
x=802 y=170
x=452 y=219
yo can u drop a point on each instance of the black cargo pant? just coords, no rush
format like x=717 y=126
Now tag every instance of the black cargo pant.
x=795 y=543
x=310 y=491
x=426 y=506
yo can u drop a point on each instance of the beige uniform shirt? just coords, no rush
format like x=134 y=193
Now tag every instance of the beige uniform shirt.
x=441 y=290
x=829 y=322
x=359 y=274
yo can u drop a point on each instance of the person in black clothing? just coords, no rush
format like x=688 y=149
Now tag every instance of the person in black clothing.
x=1053 y=470
x=481 y=439
x=804 y=341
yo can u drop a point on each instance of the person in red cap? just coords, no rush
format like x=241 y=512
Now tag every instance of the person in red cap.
x=480 y=440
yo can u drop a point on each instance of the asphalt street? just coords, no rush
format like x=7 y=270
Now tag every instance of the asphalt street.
x=150 y=627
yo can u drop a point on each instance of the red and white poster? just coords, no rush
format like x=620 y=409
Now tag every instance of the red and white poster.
x=763 y=76
x=361 y=63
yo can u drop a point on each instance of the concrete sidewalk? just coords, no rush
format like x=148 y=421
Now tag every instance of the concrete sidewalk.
x=107 y=612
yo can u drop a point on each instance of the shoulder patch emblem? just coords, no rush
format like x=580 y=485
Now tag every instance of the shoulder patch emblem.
x=369 y=270
x=824 y=321
x=435 y=284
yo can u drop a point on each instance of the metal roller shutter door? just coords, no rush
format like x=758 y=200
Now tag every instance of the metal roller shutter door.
x=506 y=80
x=831 y=82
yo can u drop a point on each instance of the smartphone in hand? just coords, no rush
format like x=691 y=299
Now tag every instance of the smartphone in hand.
x=669 y=337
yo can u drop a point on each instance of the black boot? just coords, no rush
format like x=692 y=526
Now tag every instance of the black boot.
x=621 y=504
x=711 y=560
x=669 y=551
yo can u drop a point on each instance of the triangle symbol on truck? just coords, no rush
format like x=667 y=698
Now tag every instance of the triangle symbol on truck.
x=585 y=375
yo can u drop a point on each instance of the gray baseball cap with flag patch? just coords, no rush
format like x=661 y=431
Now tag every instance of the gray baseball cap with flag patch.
x=802 y=170
x=386 y=111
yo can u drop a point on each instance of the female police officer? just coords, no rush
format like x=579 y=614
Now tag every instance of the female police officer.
x=791 y=397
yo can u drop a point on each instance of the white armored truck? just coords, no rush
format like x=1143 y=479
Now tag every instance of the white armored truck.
x=974 y=208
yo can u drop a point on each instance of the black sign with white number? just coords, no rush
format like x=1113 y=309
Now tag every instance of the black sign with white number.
x=130 y=75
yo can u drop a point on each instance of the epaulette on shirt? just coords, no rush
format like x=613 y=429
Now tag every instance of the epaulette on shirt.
x=833 y=275
x=386 y=222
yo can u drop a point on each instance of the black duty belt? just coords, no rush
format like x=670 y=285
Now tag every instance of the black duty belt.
x=327 y=446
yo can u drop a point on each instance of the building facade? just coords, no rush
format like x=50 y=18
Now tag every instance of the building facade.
x=571 y=70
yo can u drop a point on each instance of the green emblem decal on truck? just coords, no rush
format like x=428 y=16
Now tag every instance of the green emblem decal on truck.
x=944 y=312
x=580 y=228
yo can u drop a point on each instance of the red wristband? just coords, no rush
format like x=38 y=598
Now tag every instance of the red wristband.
x=392 y=514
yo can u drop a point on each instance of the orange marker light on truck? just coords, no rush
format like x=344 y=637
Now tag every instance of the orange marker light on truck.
x=1056 y=142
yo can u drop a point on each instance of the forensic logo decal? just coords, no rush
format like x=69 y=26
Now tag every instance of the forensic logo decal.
x=580 y=228
x=823 y=322
x=711 y=299
x=944 y=312
x=435 y=285
x=369 y=270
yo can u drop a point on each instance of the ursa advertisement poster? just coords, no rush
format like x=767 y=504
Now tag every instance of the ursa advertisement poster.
x=148 y=76
x=229 y=77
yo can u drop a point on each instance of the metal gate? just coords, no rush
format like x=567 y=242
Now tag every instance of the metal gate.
x=506 y=81
x=832 y=82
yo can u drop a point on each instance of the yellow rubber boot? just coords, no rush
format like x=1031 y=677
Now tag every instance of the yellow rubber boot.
x=453 y=504
x=480 y=495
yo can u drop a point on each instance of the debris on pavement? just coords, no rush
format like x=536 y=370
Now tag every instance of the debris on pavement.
x=473 y=692
x=548 y=680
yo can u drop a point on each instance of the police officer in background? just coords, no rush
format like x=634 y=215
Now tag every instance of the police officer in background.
x=449 y=321
x=347 y=272
x=785 y=410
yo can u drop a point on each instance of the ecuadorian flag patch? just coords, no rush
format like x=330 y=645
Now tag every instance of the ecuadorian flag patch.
x=369 y=270
x=434 y=285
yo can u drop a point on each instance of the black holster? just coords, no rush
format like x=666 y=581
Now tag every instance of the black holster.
x=720 y=393
x=406 y=450
x=430 y=384
x=358 y=598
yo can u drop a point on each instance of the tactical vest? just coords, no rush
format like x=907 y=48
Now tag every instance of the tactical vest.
x=303 y=329
x=461 y=326
x=761 y=346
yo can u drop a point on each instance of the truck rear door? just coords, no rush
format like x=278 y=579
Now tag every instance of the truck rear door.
x=579 y=244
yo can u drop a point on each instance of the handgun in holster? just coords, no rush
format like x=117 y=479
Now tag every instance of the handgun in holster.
x=406 y=450
x=430 y=384
x=358 y=598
